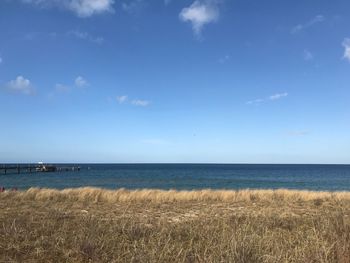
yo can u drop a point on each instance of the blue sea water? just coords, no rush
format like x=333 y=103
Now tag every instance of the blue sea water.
x=189 y=176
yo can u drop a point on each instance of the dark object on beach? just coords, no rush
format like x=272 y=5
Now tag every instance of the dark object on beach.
x=2 y=189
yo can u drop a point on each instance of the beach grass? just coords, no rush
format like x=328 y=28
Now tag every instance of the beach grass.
x=97 y=225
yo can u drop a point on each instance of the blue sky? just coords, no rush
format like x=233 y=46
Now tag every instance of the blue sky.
x=241 y=81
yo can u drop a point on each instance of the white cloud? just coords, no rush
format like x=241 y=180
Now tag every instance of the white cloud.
x=136 y=102
x=20 y=85
x=80 y=82
x=141 y=103
x=278 y=96
x=122 y=99
x=273 y=97
x=346 y=45
x=200 y=13
x=317 y=19
x=82 y=8
x=86 y=36
x=308 y=55
x=86 y=8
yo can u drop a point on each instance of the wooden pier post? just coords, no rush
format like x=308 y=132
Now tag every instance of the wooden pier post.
x=29 y=168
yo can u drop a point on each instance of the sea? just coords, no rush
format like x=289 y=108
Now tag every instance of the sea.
x=188 y=177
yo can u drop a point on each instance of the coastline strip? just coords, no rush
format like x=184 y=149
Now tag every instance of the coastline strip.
x=153 y=195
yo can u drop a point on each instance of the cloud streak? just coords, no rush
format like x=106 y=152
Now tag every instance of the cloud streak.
x=140 y=103
x=254 y=102
x=124 y=99
x=82 y=8
x=278 y=96
x=273 y=97
x=199 y=14
x=86 y=36
x=300 y=27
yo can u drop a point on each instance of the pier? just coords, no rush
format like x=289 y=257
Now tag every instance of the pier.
x=36 y=168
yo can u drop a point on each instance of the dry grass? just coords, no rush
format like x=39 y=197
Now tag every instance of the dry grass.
x=91 y=194
x=95 y=225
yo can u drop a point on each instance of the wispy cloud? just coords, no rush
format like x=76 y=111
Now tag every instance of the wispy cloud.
x=224 y=59
x=255 y=102
x=200 y=13
x=122 y=99
x=80 y=82
x=77 y=34
x=278 y=96
x=346 y=45
x=82 y=8
x=300 y=27
x=86 y=36
x=0 y=60
x=307 y=55
x=273 y=97
x=141 y=103
x=133 y=6
x=60 y=88
x=20 y=85
x=166 y=2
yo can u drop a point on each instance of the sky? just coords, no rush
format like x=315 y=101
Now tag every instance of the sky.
x=175 y=81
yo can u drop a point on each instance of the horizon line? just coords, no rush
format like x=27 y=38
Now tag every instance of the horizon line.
x=177 y=163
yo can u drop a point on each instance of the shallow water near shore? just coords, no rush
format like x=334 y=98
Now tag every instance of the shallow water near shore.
x=189 y=176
